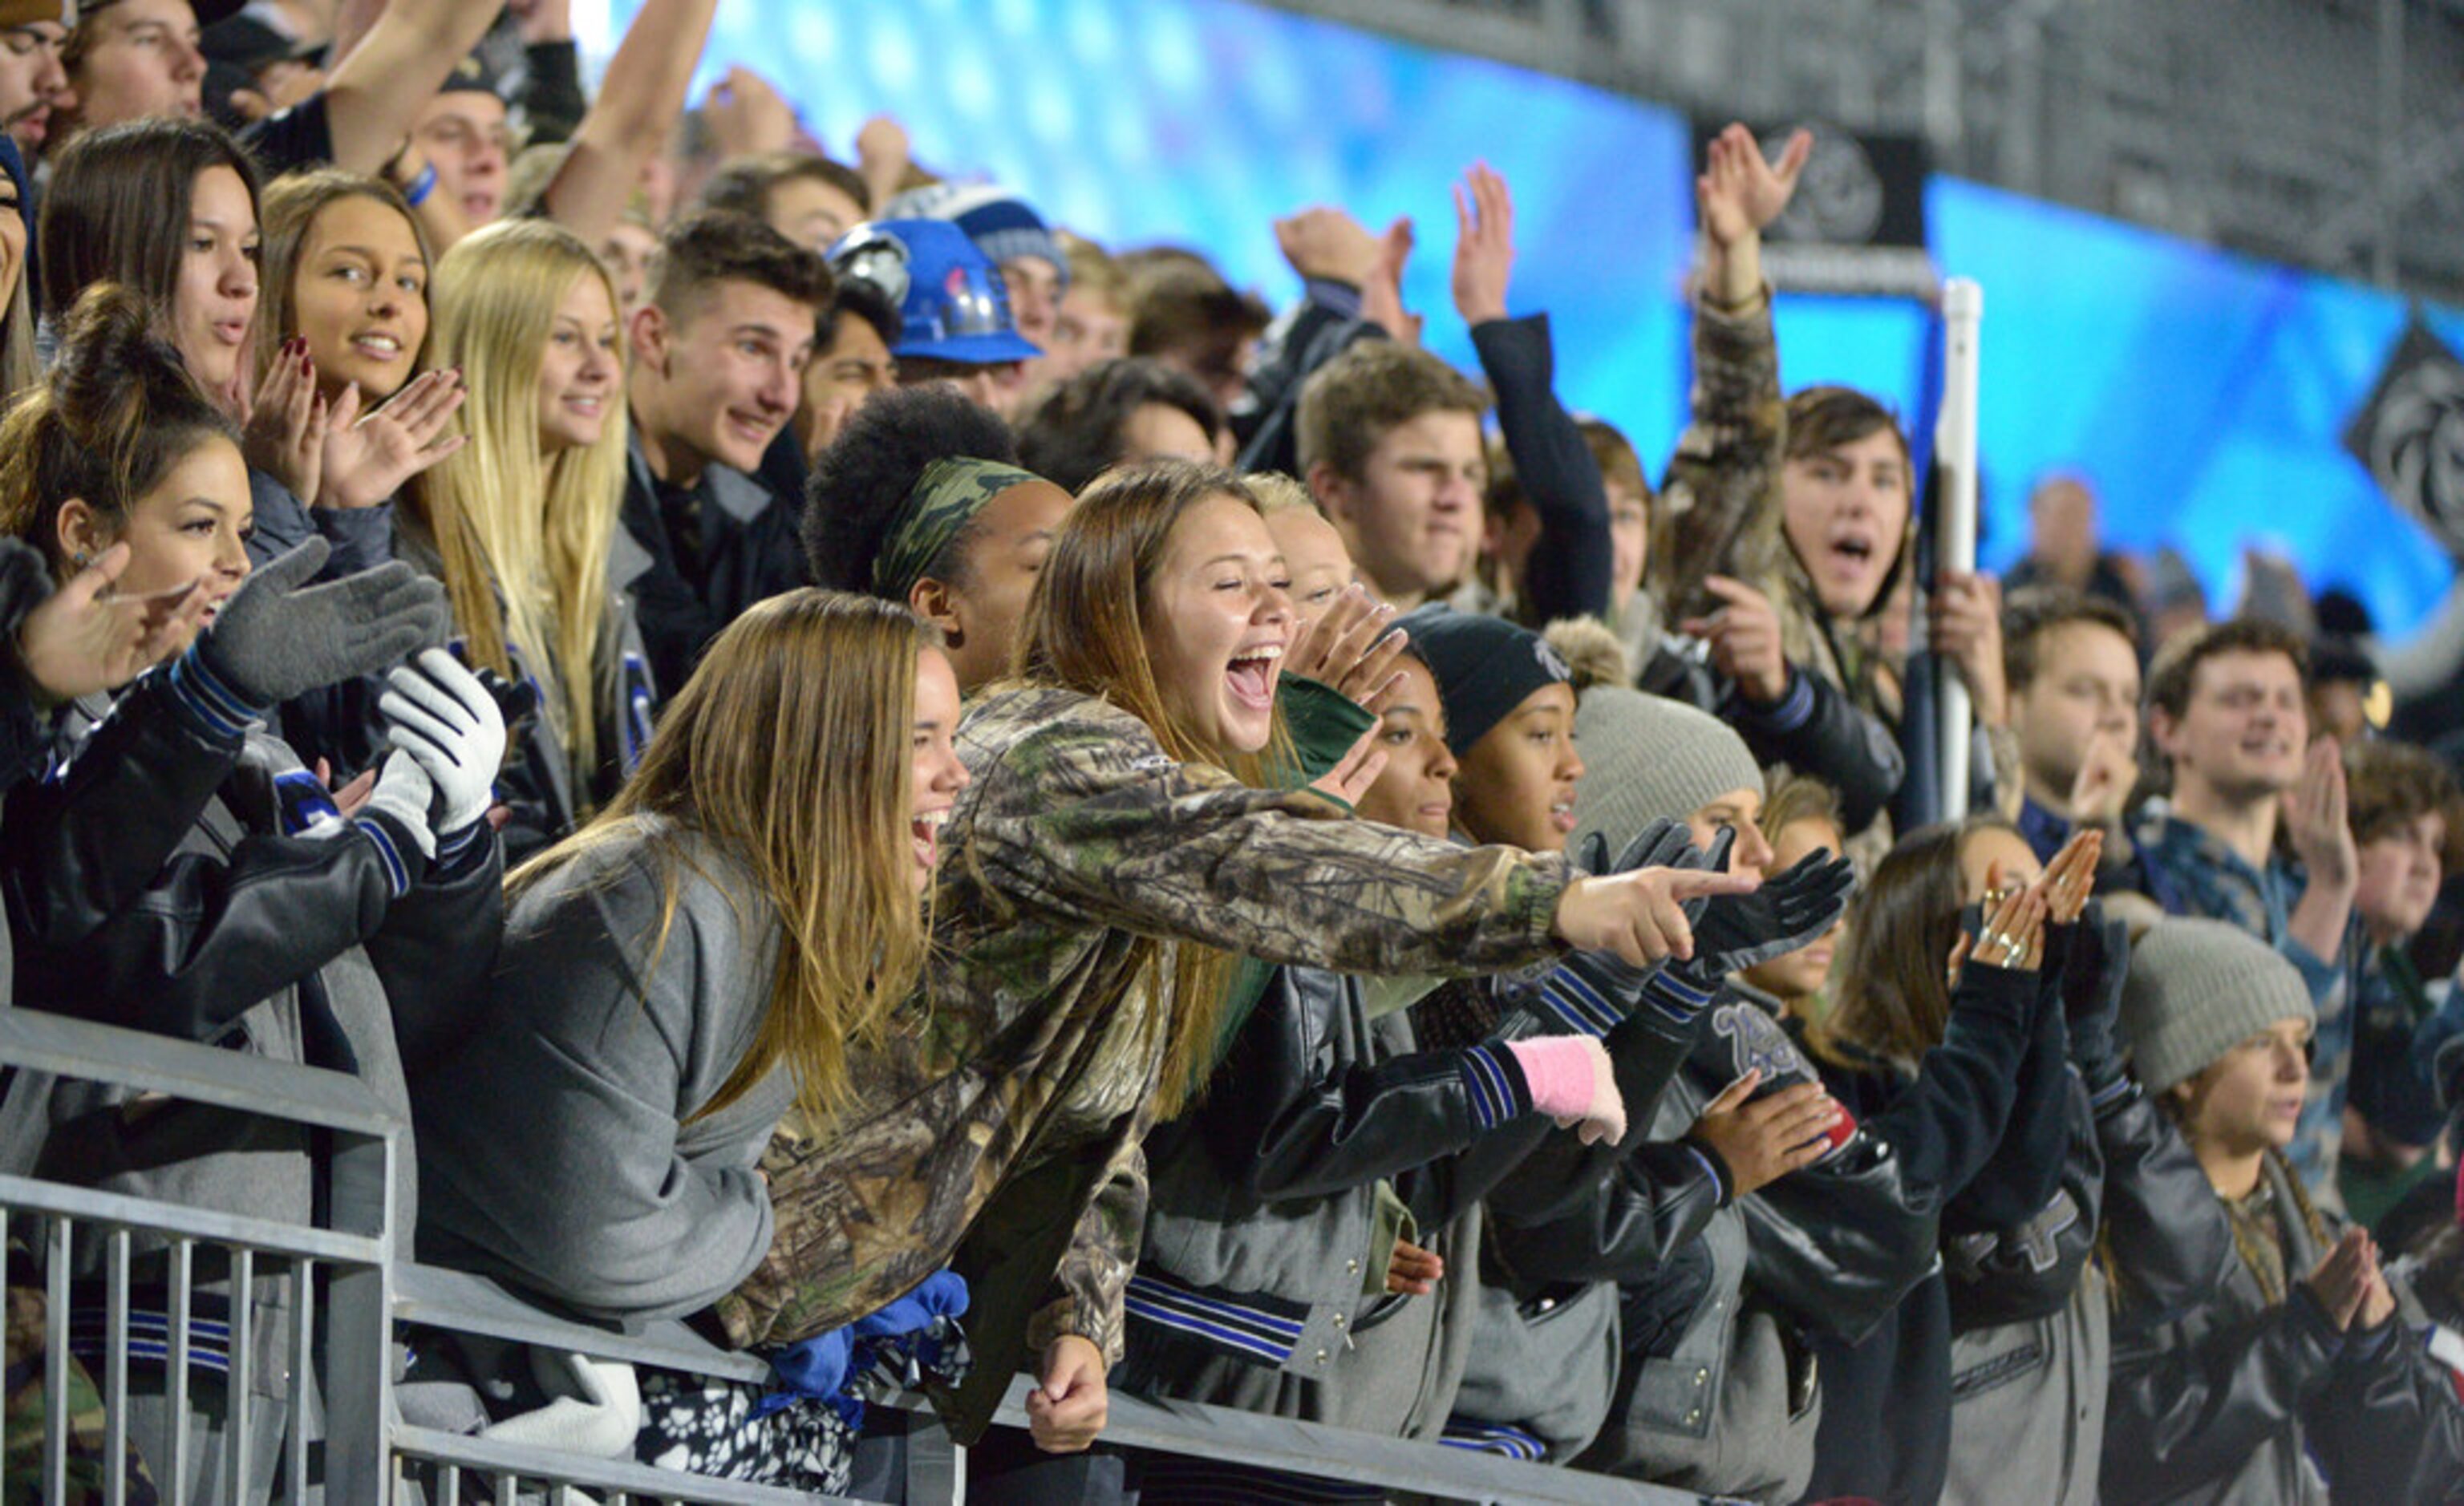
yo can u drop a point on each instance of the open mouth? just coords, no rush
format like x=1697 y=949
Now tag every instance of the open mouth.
x=231 y=332
x=1852 y=552
x=924 y=831
x=585 y=404
x=480 y=207
x=1561 y=816
x=1251 y=676
x=377 y=347
x=34 y=125
x=752 y=429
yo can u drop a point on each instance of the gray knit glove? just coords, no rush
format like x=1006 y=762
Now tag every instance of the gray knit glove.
x=278 y=637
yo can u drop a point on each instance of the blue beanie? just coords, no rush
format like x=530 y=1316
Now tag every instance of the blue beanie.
x=1003 y=226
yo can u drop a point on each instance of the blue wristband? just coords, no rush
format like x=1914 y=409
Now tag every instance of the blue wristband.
x=421 y=187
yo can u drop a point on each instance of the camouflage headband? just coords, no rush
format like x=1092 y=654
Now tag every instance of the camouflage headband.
x=944 y=500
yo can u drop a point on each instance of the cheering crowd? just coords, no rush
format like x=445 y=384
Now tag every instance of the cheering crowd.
x=937 y=800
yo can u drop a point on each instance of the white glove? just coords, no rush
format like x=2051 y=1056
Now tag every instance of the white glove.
x=402 y=792
x=438 y=713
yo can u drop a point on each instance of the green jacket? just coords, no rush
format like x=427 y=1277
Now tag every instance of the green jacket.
x=999 y=1132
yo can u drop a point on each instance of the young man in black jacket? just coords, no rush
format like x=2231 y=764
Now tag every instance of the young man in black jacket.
x=719 y=352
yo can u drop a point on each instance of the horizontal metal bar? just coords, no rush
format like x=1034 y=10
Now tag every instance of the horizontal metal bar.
x=196 y=1223
x=1194 y=1430
x=547 y=1465
x=90 y=1052
x=473 y=1304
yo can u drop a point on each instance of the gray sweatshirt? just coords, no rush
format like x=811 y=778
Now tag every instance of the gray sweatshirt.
x=558 y=1146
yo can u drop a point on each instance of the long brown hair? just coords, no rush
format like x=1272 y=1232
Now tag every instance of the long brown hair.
x=1893 y=1001
x=293 y=204
x=788 y=751
x=1085 y=629
x=117 y=205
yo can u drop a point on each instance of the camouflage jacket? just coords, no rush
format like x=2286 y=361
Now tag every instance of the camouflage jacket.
x=999 y=1132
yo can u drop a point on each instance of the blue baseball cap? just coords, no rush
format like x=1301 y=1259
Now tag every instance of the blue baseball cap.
x=952 y=303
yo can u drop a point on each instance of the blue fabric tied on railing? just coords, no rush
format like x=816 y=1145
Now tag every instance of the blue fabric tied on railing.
x=911 y=1341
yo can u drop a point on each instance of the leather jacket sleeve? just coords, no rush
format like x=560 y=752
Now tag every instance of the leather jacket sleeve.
x=2390 y=1427
x=1659 y=1198
x=25 y=584
x=110 y=924
x=437 y=949
x=1815 y=726
x=1560 y=1177
x=1839 y=1244
x=2171 y=1242
x=84 y=844
x=2187 y=1404
x=1286 y=1121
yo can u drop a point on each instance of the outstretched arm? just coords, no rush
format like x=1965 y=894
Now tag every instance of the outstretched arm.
x=380 y=86
x=639 y=101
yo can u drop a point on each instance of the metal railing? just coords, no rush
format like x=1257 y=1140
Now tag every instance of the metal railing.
x=349 y=1292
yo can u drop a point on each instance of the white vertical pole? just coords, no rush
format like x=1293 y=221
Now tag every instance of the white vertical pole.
x=1954 y=447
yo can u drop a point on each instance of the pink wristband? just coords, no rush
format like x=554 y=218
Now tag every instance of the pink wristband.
x=1559 y=1069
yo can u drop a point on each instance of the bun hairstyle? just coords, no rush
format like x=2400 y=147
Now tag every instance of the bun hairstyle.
x=117 y=413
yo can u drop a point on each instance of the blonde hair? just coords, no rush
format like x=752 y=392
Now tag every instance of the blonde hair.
x=524 y=538
x=788 y=751
x=1277 y=492
x=1085 y=629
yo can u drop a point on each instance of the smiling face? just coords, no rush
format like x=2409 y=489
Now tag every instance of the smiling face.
x=360 y=297
x=581 y=369
x=464 y=134
x=1416 y=790
x=216 y=298
x=936 y=776
x=141 y=60
x=1034 y=296
x=1845 y=512
x=1315 y=556
x=2399 y=876
x=1413 y=517
x=2242 y=731
x=1800 y=974
x=1517 y=784
x=1217 y=617
x=728 y=368
x=2086 y=683
x=2249 y=1099
x=191 y=525
x=981 y=610
x=32 y=83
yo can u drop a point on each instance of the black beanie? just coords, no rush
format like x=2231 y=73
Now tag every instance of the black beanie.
x=1483 y=666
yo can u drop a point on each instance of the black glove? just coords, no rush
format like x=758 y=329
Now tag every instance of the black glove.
x=2096 y=962
x=278 y=637
x=1663 y=844
x=1736 y=931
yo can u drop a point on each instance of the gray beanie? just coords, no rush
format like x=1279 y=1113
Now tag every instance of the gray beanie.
x=2196 y=990
x=1645 y=757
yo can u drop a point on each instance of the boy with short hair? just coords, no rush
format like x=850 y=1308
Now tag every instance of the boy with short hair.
x=2227 y=714
x=719 y=355
x=1390 y=446
x=2071 y=663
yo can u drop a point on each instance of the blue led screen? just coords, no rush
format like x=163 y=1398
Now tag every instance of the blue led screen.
x=2204 y=393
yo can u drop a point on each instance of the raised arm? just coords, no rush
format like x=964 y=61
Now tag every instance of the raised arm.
x=639 y=101
x=1568 y=571
x=1715 y=514
x=378 y=89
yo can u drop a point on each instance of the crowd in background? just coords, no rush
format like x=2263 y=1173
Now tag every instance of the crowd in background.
x=935 y=799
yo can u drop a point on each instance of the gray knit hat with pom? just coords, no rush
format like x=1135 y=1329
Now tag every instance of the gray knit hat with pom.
x=1645 y=757
x=2196 y=990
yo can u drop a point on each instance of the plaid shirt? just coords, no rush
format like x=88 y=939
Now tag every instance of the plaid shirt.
x=2190 y=871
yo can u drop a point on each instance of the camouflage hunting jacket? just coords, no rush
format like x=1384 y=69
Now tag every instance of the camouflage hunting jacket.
x=1010 y=1104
